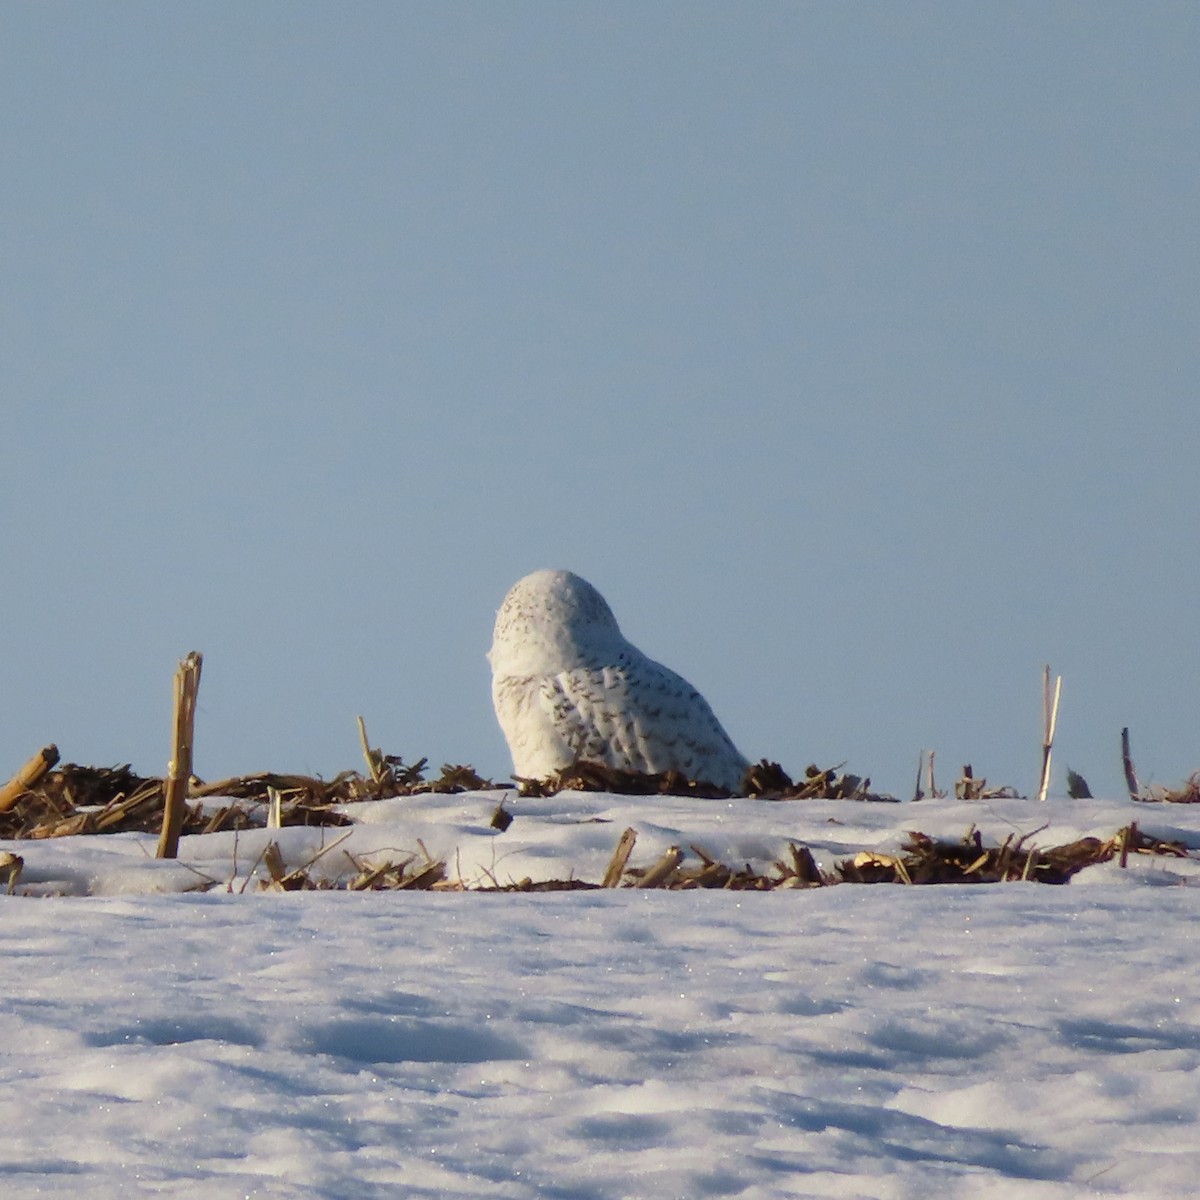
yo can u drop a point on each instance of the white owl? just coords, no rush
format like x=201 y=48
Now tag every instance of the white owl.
x=568 y=686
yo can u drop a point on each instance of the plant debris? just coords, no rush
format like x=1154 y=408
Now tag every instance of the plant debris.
x=967 y=787
x=924 y=860
x=410 y=874
x=769 y=781
x=587 y=776
x=763 y=781
x=83 y=800
x=928 y=860
x=1077 y=786
x=1188 y=792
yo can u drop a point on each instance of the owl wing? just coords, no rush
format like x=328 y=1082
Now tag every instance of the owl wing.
x=638 y=715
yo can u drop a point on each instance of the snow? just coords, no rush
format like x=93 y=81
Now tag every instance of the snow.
x=1016 y=1041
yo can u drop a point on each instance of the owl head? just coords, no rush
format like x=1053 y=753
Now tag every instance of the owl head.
x=552 y=621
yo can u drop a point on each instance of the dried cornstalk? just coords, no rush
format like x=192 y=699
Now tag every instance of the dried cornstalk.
x=374 y=757
x=616 y=867
x=12 y=863
x=917 y=793
x=273 y=860
x=1050 y=721
x=968 y=787
x=658 y=874
x=34 y=770
x=1131 y=779
x=179 y=769
x=933 y=788
x=804 y=866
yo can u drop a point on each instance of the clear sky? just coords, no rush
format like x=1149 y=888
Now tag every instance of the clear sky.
x=852 y=350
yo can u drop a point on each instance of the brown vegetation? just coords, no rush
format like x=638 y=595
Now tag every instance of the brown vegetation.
x=75 y=799
x=924 y=860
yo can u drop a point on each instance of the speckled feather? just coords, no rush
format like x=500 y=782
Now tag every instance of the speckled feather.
x=567 y=685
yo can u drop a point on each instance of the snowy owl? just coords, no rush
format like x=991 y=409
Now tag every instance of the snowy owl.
x=568 y=686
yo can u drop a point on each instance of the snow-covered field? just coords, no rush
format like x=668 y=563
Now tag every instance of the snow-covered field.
x=1015 y=1040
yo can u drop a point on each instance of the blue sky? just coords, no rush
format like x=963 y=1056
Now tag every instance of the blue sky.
x=851 y=350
